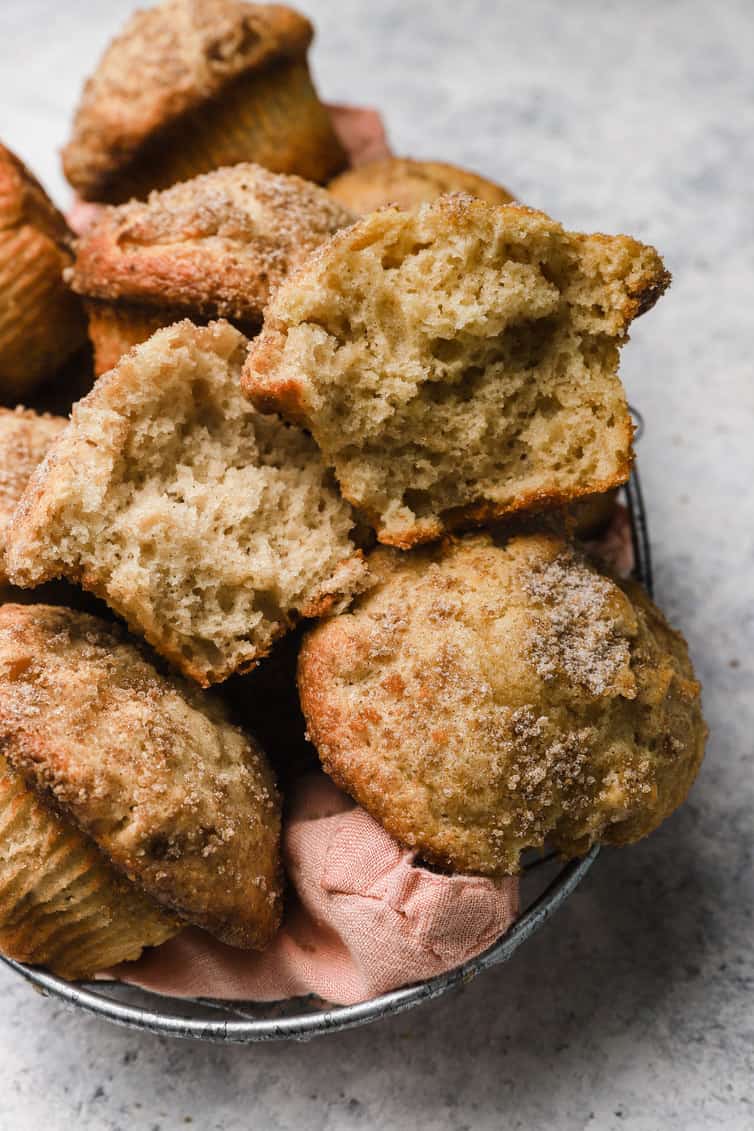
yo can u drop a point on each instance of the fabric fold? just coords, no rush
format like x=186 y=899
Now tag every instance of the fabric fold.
x=362 y=917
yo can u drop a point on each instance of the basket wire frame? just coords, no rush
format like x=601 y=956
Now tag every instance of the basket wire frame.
x=303 y=1018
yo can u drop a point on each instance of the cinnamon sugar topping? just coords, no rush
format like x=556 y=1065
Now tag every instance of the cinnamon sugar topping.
x=576 y=634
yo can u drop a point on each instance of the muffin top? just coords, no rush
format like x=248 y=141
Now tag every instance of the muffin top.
x=216 y=245
x=167 y=61
x=484 y=698
x=177 y=798
x=407 y=183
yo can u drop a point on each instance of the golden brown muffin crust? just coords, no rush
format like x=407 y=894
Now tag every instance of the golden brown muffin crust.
x=483 y=699
x=217 y=245
x=61 y=904
x=177 y=798
x=41 y=322
x=24 y=201
x=25 y=437
x=407 y=183
x=168 y=60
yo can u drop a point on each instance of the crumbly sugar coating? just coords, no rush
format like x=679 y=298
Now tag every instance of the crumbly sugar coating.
x=216 y=245
x=61 y=904
x=176 y=798
x=209 y=527
x=459 y=362
x=407 y=183
x=25 y=437
x=41 y=322
x=173 y=61
x=485 y=698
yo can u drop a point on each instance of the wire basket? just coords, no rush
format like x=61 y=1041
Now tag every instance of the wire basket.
x=546 y=884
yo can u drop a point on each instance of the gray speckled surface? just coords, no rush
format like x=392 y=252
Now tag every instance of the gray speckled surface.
x=633 y=1008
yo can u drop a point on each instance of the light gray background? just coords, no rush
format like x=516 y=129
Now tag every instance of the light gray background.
x=633 y=1008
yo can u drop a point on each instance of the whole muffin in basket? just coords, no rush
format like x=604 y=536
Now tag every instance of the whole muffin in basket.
x=146 y=777
x=191 y=85
x=215 y=246
x=487 y=697
x=41 y=323
x=407 y=183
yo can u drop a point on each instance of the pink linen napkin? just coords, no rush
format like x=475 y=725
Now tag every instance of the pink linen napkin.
x=362 y=917
x=362 y=133
x=615 y=544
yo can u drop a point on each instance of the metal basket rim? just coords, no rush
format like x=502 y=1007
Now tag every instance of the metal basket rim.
x=337 y=1018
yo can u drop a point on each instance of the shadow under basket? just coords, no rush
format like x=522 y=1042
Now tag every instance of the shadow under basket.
x=546 y=883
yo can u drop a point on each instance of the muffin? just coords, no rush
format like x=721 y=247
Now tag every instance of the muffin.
x=41 y=323
x=407 y=184
x=486 y=698
x=459 y=362
x=216 y=246
x=25 y=437
x=210 y=528
x=149 y=770
x=192 y=85
x=61 y=904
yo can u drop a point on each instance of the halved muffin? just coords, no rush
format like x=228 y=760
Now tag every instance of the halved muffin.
x=210 y=527
x=458 y=362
